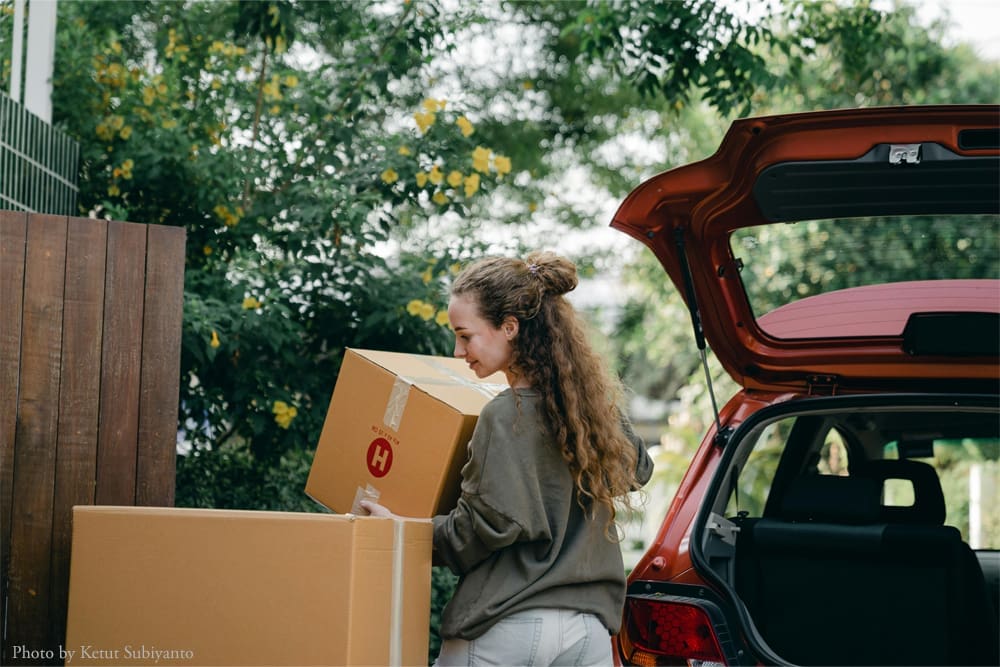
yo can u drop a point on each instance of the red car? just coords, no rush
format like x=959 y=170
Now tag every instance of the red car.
x=844 y=268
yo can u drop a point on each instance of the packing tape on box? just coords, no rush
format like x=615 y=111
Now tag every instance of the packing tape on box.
x=397 y=402
x=396 y=622
x=400 y=394
x=369 y=492
x=488 y=389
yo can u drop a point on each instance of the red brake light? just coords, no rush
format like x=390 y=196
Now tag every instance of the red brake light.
x=661 y=632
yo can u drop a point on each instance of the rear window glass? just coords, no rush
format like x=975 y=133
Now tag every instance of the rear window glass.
x=968 y=468
x=787 y=262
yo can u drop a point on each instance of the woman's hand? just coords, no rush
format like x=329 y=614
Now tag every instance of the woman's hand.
x=374 y=509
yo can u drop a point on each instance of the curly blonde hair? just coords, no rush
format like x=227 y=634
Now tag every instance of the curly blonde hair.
x=581 y=400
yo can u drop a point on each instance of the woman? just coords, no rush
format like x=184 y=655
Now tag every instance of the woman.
x=533 y=537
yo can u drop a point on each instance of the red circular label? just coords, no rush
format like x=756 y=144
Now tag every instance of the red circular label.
x=379 y=457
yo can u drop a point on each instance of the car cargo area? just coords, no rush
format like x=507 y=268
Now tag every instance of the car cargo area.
x=855 y=532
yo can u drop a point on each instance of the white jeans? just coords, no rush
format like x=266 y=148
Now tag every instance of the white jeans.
x=534 y=637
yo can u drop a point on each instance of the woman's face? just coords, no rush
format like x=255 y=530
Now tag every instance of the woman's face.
x=487 y=349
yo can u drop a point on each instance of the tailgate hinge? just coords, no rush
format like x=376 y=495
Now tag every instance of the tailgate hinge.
x=822 y=385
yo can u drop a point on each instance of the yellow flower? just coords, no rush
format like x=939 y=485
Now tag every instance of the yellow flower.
x=148 y=95
x=291 y=80
x=126 y=132
x=502 y=165
x=464 y=124
x=284 y=413
x=427 y=311
x=250 y=303
x=169 y=124
x=127 y=168
x=215 y=339
x=390 y=176
x=229 y=218
x=455 y=268
x=424 y=121
x=455 y=178
x=440 y=198
x=403 y=150
x=113 y=190
x=471 y=184
x=532 y=207
x=431 y=105
x=428 y=275
x=441 y=318
x=435 y=176
x=272 y=89
x=207 y=250
x=421 y=179
x=413 y=307
x=481 y=159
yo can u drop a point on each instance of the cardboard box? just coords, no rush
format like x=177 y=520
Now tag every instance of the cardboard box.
x=217 y=587
x=398 y=424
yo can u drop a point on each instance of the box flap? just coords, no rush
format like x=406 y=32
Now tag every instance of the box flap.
x=447 y=379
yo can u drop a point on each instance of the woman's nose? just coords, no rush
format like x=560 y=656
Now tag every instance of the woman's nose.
x=459 y=349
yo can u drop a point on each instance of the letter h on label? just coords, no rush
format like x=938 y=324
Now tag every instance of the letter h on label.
x=379 y=457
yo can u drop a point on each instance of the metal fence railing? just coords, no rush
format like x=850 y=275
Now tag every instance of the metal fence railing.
x=38 y=163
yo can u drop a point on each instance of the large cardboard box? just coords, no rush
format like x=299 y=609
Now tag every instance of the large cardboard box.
x=398 y=425
x=217 y=587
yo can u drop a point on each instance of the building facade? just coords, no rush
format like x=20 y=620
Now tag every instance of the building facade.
x=38 y=162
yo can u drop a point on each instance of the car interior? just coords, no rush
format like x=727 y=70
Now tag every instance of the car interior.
x=857 y=534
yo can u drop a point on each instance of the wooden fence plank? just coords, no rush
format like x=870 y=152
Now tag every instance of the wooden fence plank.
x=13 y=237
x=35 y=433
x=120 y=363
x=161 y=351
x=76 y=452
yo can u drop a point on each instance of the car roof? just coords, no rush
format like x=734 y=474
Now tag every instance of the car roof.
x=851 y=173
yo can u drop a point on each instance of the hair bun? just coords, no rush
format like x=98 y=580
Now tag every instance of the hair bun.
x=556 y=273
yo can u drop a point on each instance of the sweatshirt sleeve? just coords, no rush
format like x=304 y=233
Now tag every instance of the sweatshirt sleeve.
x=476 y=528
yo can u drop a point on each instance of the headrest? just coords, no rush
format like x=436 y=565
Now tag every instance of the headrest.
x=928 y=500
x=832 y=499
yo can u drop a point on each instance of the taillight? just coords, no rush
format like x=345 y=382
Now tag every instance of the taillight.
x=669 y=632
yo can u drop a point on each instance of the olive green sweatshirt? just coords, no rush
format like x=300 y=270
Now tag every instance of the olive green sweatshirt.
x=518 y=538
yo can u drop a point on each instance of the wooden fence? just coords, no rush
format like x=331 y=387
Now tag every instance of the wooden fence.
x=90 y=332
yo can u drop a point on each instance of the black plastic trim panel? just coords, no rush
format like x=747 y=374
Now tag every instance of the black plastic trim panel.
x=942 y=182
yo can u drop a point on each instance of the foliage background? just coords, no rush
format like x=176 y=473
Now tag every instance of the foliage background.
x=333 y=164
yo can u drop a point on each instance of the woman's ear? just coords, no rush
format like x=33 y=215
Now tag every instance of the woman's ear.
x=509 y=327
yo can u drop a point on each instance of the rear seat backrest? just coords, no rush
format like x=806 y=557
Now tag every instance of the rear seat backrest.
x=928 y=507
